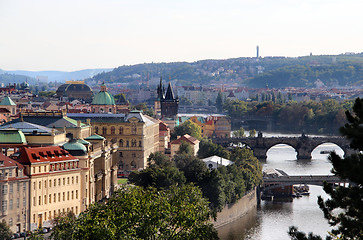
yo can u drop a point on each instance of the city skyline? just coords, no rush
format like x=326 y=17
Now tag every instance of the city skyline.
x=74 y=35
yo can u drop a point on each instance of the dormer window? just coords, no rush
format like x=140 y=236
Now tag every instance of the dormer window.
x=34 y=156
x=1 y=163
x=57 y=153
x=50 y=154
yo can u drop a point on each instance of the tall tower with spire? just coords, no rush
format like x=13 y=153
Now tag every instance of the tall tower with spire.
x=166 y=104
x=170 y=104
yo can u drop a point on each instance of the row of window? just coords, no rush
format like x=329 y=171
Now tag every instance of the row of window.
x=17 y=203
x=56 y=212
x=58 y=166
x=63 y=166
x=133 y=143
x=113 y=130
x=4 y=188
x=70 y=196
x=70 y=180
x=4 y=204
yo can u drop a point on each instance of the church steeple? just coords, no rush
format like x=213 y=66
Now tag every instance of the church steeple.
x=160 y=90
x=169 y=93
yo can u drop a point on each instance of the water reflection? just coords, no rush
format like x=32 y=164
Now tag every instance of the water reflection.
x=271 y=220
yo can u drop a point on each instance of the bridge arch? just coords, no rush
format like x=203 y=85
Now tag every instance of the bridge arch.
x=303 y=145
x=327 y=147
x=290 y=153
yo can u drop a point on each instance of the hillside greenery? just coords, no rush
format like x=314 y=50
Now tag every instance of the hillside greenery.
x=272 y=71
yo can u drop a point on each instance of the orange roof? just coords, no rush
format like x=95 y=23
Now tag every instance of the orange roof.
x=44 y=154
x=163 y=126
x=185 y=138
x=8 y=162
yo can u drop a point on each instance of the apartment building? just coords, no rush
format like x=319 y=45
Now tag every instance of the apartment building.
x=14 y=197
x=56 y=183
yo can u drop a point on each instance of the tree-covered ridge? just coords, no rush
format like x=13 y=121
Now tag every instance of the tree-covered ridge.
x=339 y=74
x=274 y=71
x=7 y=78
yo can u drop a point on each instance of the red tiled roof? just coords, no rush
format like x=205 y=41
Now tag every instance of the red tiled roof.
x=186 y=138
x=8 y=162
x=44 y=154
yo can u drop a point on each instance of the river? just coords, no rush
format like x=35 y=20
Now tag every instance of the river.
x=271 y=220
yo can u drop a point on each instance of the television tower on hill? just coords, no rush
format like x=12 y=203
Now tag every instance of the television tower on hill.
x=258 y=51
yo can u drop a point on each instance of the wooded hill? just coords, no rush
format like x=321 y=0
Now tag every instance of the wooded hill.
x=276 y=72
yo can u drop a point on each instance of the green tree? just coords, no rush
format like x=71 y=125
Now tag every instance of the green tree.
x=219 y=102
x=252 y=133
x=185 y=148
x=348 y=220
x=239 y=133
x=159 y=159
x=5 y=232
x=188 y=127
x=63 y=226
x=36 y=234
x=160 y=178
x=144 y=108
x=207 y=149
x=138 y=213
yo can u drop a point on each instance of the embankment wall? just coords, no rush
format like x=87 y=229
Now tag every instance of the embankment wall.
x=236 y=210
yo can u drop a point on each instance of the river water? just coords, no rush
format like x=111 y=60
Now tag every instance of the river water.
x=271 y=220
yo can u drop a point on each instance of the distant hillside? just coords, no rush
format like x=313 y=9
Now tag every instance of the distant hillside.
x=7 y=78
x=59 y=76
x=274 y=71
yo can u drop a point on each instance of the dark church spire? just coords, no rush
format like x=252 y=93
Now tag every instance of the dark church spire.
x=169 y=93
x=160 y=90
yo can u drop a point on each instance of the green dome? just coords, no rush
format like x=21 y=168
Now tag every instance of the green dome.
x=12 y=136
x=103 y=98
x=75 y=148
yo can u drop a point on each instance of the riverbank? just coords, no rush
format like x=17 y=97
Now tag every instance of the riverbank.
x=231 y=212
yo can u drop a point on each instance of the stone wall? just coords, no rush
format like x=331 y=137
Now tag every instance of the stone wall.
x=233 y=211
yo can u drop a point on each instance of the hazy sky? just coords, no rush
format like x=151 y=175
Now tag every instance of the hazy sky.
x=77 y=34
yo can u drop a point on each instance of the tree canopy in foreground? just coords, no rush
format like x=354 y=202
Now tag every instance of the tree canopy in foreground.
x=348 y=220
x=139 y=213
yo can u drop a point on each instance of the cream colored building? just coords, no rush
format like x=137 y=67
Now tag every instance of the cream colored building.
x=56 y=183
x=14 y=197
x=64 y=179
x=136 y=134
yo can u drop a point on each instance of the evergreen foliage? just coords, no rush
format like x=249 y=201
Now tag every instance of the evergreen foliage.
x=348 y=220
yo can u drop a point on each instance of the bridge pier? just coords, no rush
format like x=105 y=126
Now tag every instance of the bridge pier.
x=260 y=154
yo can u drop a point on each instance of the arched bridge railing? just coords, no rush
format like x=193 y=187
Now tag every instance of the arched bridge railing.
x=303 y=145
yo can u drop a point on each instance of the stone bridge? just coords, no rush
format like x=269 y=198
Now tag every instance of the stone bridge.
x=303 y=144
x=318 y=180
